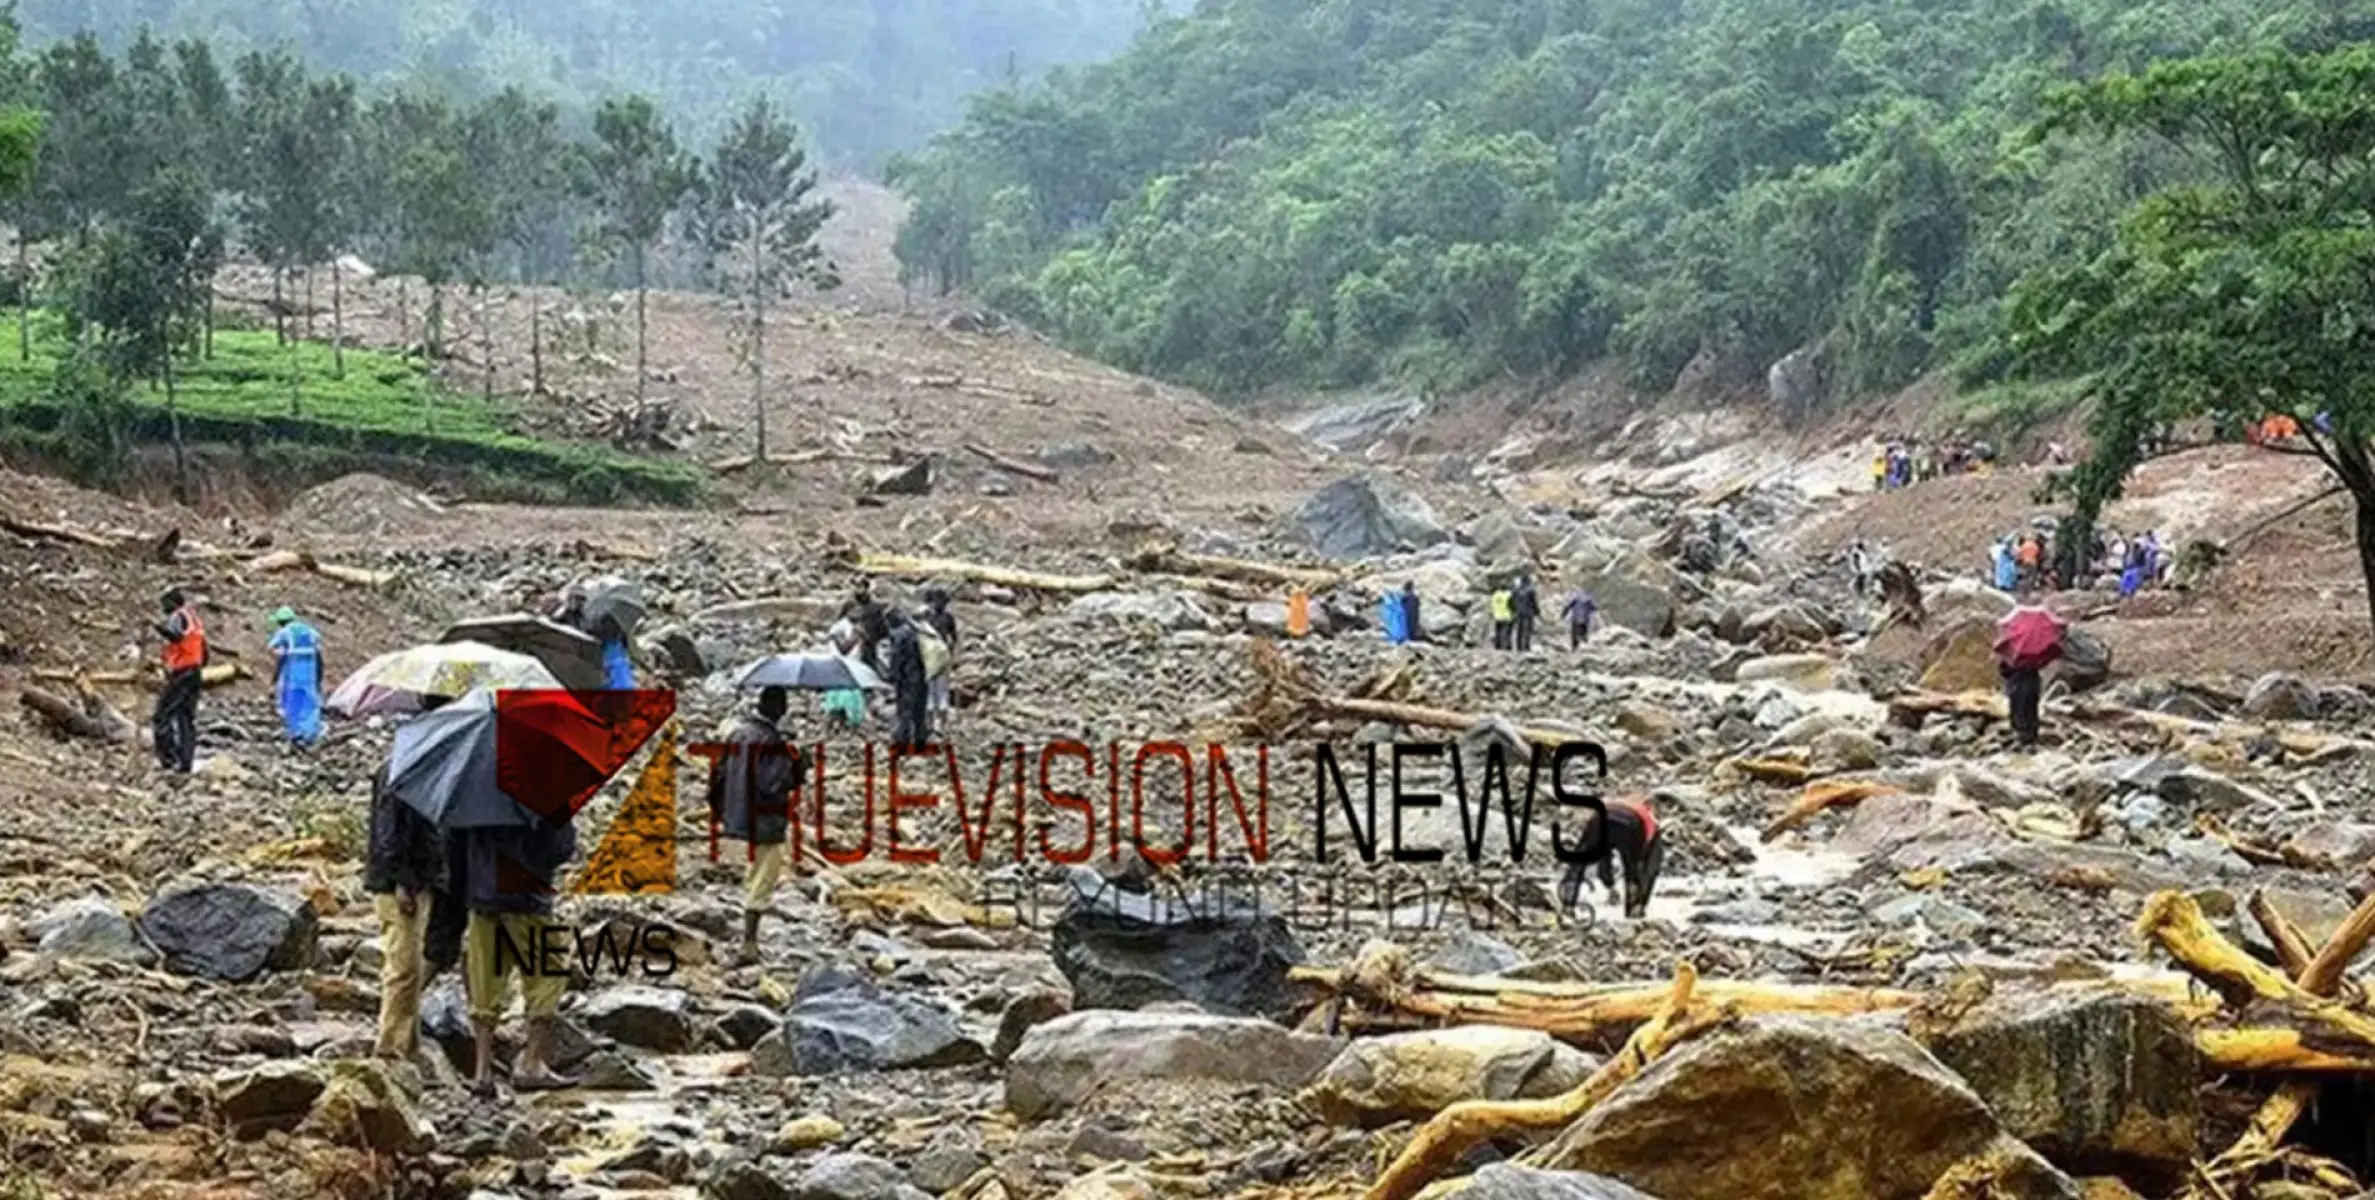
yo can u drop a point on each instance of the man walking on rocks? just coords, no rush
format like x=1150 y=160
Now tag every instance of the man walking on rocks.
x=1525 y=607
x=1412 y=627
x=403 y=869
x=944 y=624
x=175 y=722
x=297 y=675
x=509 y=890
x=1581 y=608
x=912 y=729
x=868 y=616
x=750 y=797
x=2028 y=639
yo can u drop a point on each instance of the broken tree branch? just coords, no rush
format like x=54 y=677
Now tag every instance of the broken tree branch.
x=88 y=716
x=1167 y=557
x=1821 y=797
x=59 y=533
x=1443 y=1140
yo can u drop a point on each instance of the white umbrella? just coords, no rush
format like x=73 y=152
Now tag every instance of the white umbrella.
x=396 y=682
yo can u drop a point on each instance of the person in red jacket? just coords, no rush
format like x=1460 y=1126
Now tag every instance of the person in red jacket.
x=1628 y=832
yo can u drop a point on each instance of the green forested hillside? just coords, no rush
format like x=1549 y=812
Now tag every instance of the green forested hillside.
x=867 y=76
x=1328 y=192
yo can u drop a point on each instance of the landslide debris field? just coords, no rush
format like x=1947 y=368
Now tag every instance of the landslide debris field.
x=1920 y=963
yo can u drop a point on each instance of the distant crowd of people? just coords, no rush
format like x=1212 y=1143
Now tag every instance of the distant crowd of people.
x=1903 y=462
x=2028 y=560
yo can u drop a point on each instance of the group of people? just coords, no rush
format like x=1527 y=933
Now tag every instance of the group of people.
x=1903 y=462
x=297 y=679
x=1517 y=607
x=618 y=666
x=913 y=653
x=2029 y=559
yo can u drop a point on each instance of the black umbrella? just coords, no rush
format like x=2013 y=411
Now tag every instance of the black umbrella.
x=478 y=763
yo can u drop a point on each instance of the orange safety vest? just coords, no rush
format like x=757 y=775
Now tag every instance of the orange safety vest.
x=1298 y=614
x=188 y=653
x=1649 y=819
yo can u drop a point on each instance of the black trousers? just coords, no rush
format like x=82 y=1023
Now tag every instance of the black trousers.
x=1501 y=635
x=1625 y=840
x=175 y=721
x=1576 y=635
x=912 y=726
x=2024 y=689
x=1523 y=629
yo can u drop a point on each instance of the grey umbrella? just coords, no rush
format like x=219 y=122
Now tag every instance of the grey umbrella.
x=617 y=598
x=815 y=671
x=443 y=765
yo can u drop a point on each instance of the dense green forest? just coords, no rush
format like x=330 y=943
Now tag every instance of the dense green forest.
x=1436 y=192
x=864 y=76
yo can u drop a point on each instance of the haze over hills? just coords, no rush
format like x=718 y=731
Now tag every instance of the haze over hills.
x=868 y=77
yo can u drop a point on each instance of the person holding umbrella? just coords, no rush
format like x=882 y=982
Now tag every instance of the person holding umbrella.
x=751 y=787
x=2028 y=640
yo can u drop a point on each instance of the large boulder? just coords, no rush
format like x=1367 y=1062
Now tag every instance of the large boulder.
x=1410 y=1076
x=1795 y=384
x=1794 y=1108
x=2085 y=662
x=1062 y=1061
x=1910 y=832
x=1500 y=542
x=1957 y=600
x=854 y=1177
x=1367 y=516
x=659 y=1019
x=2098 y=1080
x=276 y=1095
x=1961 y=658
x=1125 y=950
x=230 y=931
x=2280 y=697
x=1358 y=424
x=89 y=927
x=853 y=1026
x=1628 y=601
x=1167 y=610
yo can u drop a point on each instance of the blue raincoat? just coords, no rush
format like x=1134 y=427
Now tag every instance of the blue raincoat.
x=299 y=686
x=2006 y=573
x=618 y=673
x=1397 y=619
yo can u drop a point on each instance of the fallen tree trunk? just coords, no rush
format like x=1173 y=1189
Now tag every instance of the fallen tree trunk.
x=743 y=462
x=59 y=533
x=897 y=564
x=1009 y=465
x=1773 y=770
x=214 y=676
x=355 y=575
x=1395 y=713
x=1598 y=1015
x=281 y=560
x=89 y=716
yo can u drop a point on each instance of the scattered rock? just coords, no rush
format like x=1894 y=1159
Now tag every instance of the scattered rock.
x=89 y=927
x=230 y=931
x=1629 y=603
x=364 y=1106
x=807 y=1133
x=656 y=1019
x=1073 y=456
x=1062 y=1061
x=1811 y=672
x=860 y=1029
x=276 y=1095
x=2085 y=662
x=854 y=1177
x=1961 y=658
x=1024 y=1013
x=1507 y=1181
x=913 y=479
x=1467 y=952
x=1410 y=1076
x=1166 y=610
x=943 y=1169
x=2334 y=843
x=1122 y=950
x=2280 y=697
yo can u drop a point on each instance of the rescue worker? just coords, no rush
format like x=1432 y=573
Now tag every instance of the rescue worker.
x=750 y=797
x=1581 y=608
x=1525 y=607
x=912 y=728
x=404 y=868
x=1627 y=831
x=175 y=721
x=509 y=878
x=297 y=675
x=943 y=624
x=1504 y=617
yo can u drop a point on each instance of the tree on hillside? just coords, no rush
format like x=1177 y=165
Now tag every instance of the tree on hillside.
x=442 y=211
x=757 y=218
x=515 y=145
x=2249 y=292
x=140 y=287
x=638 y=177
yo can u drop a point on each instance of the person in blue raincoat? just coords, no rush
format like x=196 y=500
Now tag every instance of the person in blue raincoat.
x=618 y=671
x=297 y=662
x=1391 y=608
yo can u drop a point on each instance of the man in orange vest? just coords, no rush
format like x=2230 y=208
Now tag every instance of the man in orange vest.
x=176 y=719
